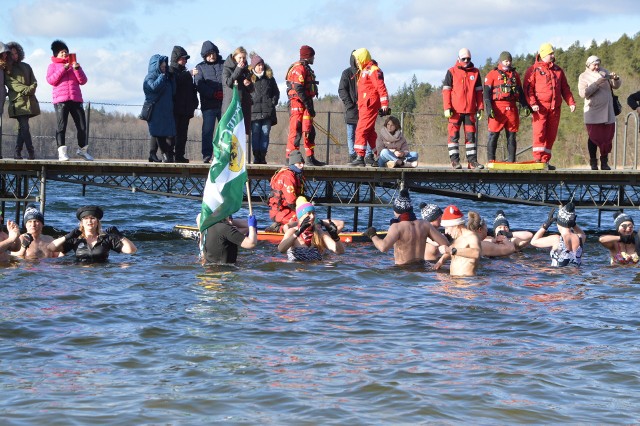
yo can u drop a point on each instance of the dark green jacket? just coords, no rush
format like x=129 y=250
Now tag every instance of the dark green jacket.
x=22 y=85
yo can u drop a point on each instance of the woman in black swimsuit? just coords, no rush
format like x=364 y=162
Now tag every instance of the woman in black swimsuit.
x=89 y=241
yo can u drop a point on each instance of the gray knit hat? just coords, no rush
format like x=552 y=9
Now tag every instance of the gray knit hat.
x=619 y=218
x=430 y=212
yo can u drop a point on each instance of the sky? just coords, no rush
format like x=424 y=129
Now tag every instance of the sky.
x=114 y=39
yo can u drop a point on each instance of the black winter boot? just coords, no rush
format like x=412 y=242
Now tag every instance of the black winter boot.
x=594 y=163
x=358 y=162
x=604 y=162
x=312 y=161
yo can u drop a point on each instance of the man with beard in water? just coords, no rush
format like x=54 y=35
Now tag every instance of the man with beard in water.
x=407 y=234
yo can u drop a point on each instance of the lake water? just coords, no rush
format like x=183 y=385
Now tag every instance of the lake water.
x=156 y=338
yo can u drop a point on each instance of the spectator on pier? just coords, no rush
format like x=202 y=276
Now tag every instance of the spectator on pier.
x=10 y=240
x=373 y=100
x=348 y=93
x=34 y=245
x=502 y=88
x=566 y=247
x=235 y=72
x=310 y=238
x=89 y=241
x=634 y=101
x=4 y=53
x=431 y=213
x=21 y=84
x=208 y=80
x=66 y=76
x=265 y=97
x=463 y=105
x=545 y=86
x=185 y=100
x=159 y=88
x=407 y=235
x=596 y=86
x=624 y=245
x=222 y=239
x=466 y=248
x=392 y=147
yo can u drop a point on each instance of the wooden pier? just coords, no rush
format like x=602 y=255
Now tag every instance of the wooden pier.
x=24 y=181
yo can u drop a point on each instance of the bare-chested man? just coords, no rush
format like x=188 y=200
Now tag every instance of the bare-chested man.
x=8 y=242
x=505 y=242
x=407 y=235
x=34 y=243
x=465 y=250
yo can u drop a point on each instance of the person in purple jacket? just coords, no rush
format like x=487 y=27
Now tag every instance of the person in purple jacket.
x=66 y=76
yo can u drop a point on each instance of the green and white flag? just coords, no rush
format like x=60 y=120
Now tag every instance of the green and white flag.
x=223 y=191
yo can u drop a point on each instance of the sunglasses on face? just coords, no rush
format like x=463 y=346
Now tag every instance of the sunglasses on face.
x=465 y=59
x=627 y=225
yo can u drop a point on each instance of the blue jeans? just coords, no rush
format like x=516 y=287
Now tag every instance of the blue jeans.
x=387 y=155
x=351 y=138
x=260 y=130
x=209 y=117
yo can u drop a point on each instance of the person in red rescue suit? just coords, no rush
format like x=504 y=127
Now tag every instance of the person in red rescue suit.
x=287 y=184
x=463 y=104
x=302 y=87
x=545 y=85
x=372 y=99
x=502 y=88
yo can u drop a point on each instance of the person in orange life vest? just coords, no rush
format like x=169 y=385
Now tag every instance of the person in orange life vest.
x=302 y=87
x=287 y=184
x=463 y=104
x=372 y=98
x=502 y=88
x=545 y=85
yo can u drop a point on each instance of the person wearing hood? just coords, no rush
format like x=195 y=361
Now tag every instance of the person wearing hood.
x=392 y=147
x=23 y=104
x=185 y=100
x=373 y=99
x=236 y=73
x=502 y=88
x=596 y=86
x=265 y=97
x=545 y=86
x=159 y=88
x=463 y=106
x=567 y=246
x=348 y=93
x=4 y=53
x=66 y=76
x=208 y=81
x=302 y=87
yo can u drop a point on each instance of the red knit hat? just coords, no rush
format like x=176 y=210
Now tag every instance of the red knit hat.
x=452 y=216
x=307 y=52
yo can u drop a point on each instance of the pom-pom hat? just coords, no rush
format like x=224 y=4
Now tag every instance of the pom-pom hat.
x=500 y=220
x=31 y=213
x=303 y=207
x=402 y=204
x=452 y=216
x=430 y=212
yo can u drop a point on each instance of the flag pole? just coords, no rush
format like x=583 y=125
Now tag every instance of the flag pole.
x=249 y=197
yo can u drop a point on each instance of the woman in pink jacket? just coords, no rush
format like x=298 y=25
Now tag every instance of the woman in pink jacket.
x=66 y=76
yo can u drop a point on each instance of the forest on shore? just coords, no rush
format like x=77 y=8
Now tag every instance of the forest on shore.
x=121 y=135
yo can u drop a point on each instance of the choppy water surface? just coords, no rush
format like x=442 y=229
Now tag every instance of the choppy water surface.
x=155 y=338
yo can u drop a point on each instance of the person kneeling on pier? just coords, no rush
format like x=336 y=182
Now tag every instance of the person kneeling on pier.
x=310 y=238
x=89 y=241
x=407 y=234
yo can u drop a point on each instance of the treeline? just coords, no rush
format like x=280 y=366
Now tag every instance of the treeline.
x=120 y=135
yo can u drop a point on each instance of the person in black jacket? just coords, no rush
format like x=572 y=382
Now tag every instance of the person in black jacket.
x=185 y=100
x=634 y=101
x=348 y=93
x=208 y=80
x=263 y=111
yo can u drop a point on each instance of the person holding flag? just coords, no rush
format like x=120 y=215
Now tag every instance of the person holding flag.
x=220 y=233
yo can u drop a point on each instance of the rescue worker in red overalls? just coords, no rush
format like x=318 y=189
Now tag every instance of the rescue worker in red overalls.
x=287 y=184
x=545 y=85
x=463 y=105
x=372 y=99
x=302 y=87
x=502 y=88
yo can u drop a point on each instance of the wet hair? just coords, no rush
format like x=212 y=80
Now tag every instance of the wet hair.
x=475 y=222
x=394 y=120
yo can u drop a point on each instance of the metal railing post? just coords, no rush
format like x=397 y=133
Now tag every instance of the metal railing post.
x=328 y=138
